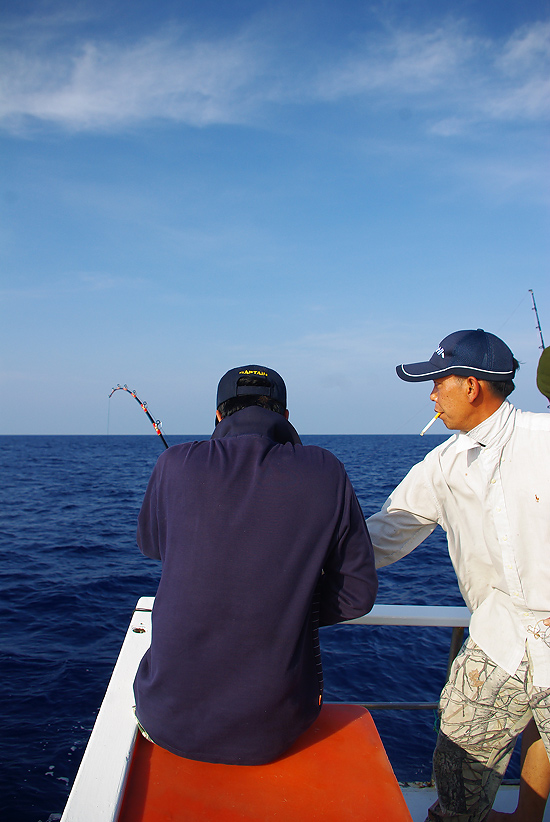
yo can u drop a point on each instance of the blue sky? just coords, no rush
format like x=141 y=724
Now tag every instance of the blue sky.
x=327 y=188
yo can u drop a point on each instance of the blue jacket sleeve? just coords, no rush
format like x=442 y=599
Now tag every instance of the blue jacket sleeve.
x=147 y=530
x=349 y=583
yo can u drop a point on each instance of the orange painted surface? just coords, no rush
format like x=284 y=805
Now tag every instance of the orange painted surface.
x=338 y=770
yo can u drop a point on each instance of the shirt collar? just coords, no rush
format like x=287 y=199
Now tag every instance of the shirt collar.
x=463 y=442
x=496 y=429
x=492 y=432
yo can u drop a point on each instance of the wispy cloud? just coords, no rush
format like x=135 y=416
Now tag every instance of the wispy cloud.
x=80 y=283
x=457 y=78
x=402 y=62
x=465 y=78
x=99 y=85
x=523 y=68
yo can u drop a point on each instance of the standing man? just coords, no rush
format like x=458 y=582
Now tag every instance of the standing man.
x=262 y=540
x=488 y=487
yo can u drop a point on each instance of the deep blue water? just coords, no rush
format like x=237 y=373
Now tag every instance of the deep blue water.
x=71 y=574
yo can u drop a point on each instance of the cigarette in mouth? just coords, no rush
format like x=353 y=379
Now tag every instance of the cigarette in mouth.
x=431 y=422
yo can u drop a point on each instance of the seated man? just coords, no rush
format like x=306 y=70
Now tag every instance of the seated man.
x=262 y=540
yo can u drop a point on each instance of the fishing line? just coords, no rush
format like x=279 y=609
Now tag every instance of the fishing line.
x=157 y=425
x=499 y=329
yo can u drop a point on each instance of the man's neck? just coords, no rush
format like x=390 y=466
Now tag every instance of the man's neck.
x=483 y=413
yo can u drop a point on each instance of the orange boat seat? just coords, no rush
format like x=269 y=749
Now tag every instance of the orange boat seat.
x=338 y=771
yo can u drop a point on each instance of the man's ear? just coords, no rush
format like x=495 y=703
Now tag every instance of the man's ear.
x=473 y=388
x=218 y=416
x=286 y=414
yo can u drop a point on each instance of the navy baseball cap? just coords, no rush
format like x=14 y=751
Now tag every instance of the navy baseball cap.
x=473 y=353
x=228 y=388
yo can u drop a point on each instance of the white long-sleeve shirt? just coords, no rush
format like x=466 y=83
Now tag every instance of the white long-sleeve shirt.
x=489 y=489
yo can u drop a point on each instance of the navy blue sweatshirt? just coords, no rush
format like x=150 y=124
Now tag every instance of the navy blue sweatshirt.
x=251 y=527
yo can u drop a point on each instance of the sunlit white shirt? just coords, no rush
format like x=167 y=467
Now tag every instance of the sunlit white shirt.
x=489 y=489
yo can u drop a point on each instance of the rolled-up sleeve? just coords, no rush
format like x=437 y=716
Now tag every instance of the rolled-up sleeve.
x=407 y=518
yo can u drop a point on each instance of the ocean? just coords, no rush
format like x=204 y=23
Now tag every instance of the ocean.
x=71 y=574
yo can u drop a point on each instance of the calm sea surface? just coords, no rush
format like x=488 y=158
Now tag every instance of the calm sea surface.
x=71 y=574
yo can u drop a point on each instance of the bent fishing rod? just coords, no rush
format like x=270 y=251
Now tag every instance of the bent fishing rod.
x=157 y=425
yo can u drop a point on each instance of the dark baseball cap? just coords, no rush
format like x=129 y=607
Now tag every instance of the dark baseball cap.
x=473 y=353
x=274 y=387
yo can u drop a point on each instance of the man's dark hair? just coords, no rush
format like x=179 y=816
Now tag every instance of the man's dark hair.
x=500 y=388
x=503 y=388
x=234 y=404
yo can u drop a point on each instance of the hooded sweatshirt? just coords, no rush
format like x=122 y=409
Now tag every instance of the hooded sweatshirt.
x=261 y=540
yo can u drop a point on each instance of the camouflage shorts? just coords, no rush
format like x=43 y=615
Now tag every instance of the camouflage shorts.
x=483 y=710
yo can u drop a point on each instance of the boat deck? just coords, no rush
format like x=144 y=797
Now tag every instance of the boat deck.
x=107 y=764
x=337 y=766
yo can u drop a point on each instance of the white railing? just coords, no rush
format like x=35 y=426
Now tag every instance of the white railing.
x=99 y=785
x=422 y=615
x=437 y=616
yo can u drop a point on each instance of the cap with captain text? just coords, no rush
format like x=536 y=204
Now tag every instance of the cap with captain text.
x=274 y=386
x=473 y=353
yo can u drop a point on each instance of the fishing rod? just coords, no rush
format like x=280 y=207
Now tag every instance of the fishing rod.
x=539 y=329
x=157 y=425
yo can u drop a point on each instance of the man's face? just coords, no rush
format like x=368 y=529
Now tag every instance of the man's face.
x=450 y=395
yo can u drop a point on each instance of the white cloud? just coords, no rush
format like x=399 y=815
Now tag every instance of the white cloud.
x=528 y=48
x=521 y=81
x=78 y=283
x=405 y=63
x=100 y=85
x=470 y=79
x=455 y=78
x=107 y=282
x=529 y=100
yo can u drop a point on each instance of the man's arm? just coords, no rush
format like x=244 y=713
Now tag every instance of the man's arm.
x=407 y=518
x=147 y=530
x=349 y=583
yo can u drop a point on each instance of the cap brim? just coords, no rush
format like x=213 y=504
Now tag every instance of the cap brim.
x=423 y=371
x=420 y=371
